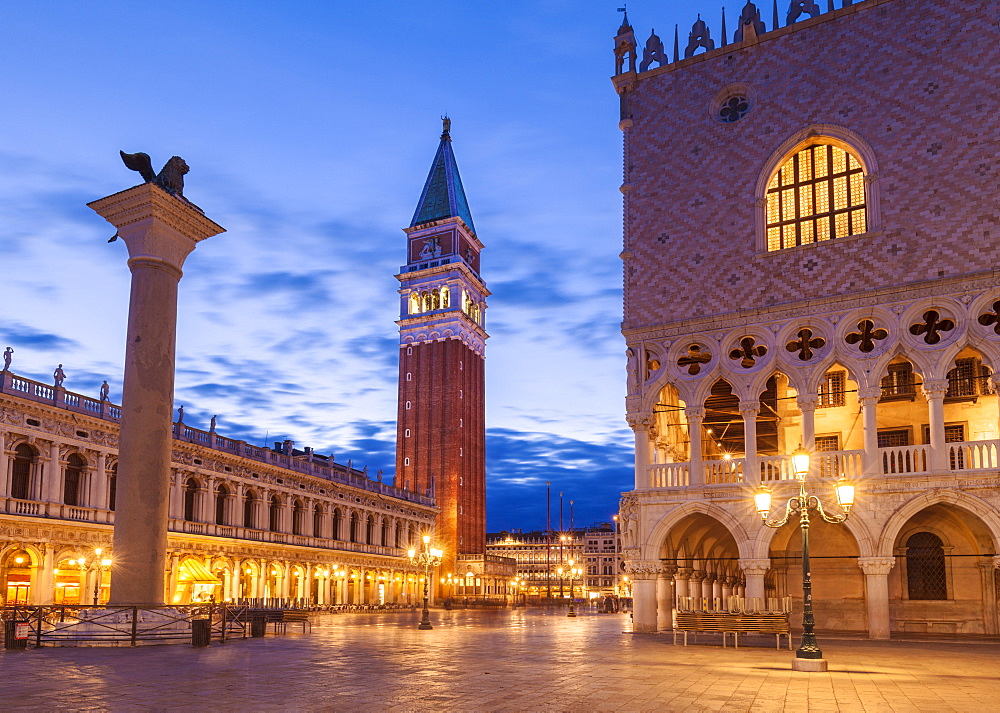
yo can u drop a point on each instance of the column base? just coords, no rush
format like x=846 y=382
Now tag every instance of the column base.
x=811 y=665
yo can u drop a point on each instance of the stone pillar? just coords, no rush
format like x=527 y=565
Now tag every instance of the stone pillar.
x=727 y=589
x=99 y=483
x=236 y=581
x=644 y=601
x=694 y=586
x=749 y=411
x=45 y=579
x=695 y=417
x=717 y=582
x=868 y=397
x=754 y=571
x=986 y=571
x=160 y=230
x=641 y=429
x=4 y=466
x=934 y=391
x=807 y=405
x=53 y=476
x=665 y=597
x=708 y=586
x=681 y=582
x=175 y=567
x=876 y=571
x=207 y=509
x=307 y=594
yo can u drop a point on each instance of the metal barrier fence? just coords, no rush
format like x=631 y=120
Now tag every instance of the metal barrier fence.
x=74 y=625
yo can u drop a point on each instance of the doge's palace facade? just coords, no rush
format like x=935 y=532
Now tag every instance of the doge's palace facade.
x=811 y=225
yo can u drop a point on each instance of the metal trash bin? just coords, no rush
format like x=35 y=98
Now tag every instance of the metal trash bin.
x=15 y=635
x=258 y=625
x=201 y=632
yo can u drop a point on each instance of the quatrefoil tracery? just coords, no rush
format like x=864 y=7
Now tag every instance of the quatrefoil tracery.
x=694 y=358
x=931 y=327
x=866 y=336
x=805 y=344
x=988 y=318
x=748 y=352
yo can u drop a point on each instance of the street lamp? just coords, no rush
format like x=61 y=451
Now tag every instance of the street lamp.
x=98 y=565
x=428 y=557
x=572 y=572
x=802 y=503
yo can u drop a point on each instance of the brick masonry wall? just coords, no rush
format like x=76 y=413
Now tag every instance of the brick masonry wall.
x=915 y=79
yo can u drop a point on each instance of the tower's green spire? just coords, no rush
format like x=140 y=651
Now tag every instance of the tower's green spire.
x=443 y=195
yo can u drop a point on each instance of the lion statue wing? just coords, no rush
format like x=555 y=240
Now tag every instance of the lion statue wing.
x=139 y=162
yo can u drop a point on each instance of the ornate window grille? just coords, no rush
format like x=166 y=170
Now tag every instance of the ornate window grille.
x=831 y=391
x=817 y=194
x=926 y=578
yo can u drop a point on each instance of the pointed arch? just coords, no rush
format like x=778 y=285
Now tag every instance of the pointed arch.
x=964 y=501
x=658 y=535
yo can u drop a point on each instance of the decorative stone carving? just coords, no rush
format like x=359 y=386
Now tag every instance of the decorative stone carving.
x=797 y=7
x=700 y=36
x=932 y=327
x=653 y=52
x=750 y=20
x=643 y=569
x=170 y=178
x=876 y=565
x=748 y=352
x=755 y=566
x=805 y=344
x=695 y=357
x=866 y=336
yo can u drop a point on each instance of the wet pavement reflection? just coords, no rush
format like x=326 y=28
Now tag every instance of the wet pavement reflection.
x=522 y=660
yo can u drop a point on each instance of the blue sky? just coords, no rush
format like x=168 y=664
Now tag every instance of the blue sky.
x=309 y=128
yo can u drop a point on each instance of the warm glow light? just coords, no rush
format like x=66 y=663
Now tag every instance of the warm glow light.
x=411 y=553
x=845 y=493
x=98 y=551
x=436 y=552
x=800 y=462
x=427 y=539
x=105 y=562
x=19 y=560
x=762 y=499
x=727 y=456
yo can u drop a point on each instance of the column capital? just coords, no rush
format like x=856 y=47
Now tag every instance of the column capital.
x=697 y=575
x=642 y=569
x=749 y=409
x=869 y=395
x=807 y=402
x=683 y=573
x=755 y=566
x=876 y=565
x=694 y=413
x=935 y=388
x=639 y=422
x=668 y=569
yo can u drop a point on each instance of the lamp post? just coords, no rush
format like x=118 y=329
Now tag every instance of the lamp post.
x=572 y=572
x=808 y=657
x=428 y=557
x=99 y=565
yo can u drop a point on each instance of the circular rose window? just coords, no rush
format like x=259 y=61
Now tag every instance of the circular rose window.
x=734 y=109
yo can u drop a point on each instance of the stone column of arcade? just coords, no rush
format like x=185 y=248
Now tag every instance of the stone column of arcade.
x=160 y=229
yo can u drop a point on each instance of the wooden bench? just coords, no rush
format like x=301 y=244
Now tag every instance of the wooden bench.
x=732 y=625
x=291 y=616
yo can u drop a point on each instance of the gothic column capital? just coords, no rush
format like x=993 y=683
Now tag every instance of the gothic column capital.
x=642 y=569
x=639 y=422
x=876 y=565
x=668 y=569
x=935 y=388
x=694 y=413
x=749 y=409
x=869 y=395
x=755 y=566
x=683 y=573
x=807 y=402
x=697 y=575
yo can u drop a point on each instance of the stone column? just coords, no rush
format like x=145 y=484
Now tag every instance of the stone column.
x=807 y=405
x=695 y=417
x=175 y=566
x=876 y=571
x=641 y=429
x=681 y=582
x=160 y=230
x=236 y=581
x=754 y=571
x=868 y=397
x=749 y=411
x=4 y=466
x=99 y=482
x=934 y=391
x=644 y=599
x=53 y=475
x=45 y=579
x=694 y=586
x=665 y=597
x=986 y=571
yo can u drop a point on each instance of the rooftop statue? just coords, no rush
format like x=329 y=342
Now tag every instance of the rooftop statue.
x=170 y=178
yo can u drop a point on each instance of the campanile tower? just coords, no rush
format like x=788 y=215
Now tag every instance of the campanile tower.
x=441 y=425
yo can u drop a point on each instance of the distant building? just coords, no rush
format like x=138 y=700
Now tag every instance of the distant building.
x=540 y=555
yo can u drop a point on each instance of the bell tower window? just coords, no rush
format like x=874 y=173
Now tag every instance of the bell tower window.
x=817 y=194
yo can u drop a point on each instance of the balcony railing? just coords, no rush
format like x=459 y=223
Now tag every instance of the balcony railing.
x=897 y=460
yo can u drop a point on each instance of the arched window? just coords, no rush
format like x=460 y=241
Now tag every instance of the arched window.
x=925 y=571
x=71 y=480
x=445 y=297
x=274 y=514
x=24 y=456
x=190 y=499
x=817 y=194
x=414 y=303
x=298 y=512
x=318 y=521
x=338 y=520
x=249 y=501
x=220 y=504
x=112 y=486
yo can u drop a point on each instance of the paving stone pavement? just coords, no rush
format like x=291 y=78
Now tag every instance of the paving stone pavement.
x=526 y=660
